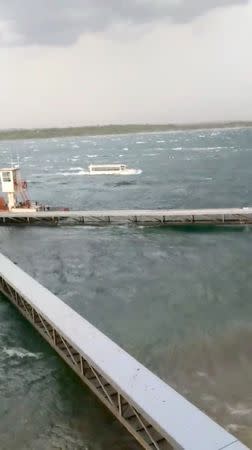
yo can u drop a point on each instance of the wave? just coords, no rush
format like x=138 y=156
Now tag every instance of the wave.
x=121 y=183
x=76 y=168
x=239 y=410
x=71 y=174
x=20 y=353
x=205 y=149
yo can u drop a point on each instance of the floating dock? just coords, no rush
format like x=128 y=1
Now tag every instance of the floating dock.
x=221 y=216
x=155 y=414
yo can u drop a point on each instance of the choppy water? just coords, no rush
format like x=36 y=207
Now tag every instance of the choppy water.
x=177 y=299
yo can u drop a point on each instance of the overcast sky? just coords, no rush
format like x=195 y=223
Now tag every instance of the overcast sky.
x=80 y=62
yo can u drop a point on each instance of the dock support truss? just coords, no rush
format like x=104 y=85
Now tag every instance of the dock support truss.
x=134 y=421
x=233 y=216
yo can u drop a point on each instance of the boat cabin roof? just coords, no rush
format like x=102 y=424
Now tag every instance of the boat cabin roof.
x=104 y=166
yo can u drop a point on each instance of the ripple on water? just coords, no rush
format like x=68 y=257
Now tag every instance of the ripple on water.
x=20 y=353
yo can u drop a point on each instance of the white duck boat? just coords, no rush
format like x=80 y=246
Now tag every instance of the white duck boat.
x=111 y=169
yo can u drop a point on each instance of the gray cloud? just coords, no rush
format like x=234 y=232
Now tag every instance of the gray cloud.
x=61 y=22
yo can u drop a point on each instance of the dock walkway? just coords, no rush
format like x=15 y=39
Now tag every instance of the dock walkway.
x=155 y=414
x=221 y=216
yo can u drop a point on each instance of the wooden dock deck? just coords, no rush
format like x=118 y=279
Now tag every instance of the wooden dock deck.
x=219 y=216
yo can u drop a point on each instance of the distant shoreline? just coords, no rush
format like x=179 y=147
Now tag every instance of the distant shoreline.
x=45 y=133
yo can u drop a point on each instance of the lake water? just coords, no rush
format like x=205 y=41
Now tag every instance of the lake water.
x=177 y=299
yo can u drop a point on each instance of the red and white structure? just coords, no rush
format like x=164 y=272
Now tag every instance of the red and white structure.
x=16 y=191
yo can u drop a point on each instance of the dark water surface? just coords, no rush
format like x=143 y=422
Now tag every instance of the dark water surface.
x=177 y=299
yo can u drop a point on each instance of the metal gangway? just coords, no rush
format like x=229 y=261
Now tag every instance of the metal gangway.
x=154 y=413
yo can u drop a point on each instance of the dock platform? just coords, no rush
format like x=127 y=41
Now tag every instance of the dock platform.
x=154 y=413
x=168 y=217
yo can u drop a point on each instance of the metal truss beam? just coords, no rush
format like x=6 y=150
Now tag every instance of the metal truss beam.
x=142 y=430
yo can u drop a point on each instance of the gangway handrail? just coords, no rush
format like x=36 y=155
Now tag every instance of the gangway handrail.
x=155 y=414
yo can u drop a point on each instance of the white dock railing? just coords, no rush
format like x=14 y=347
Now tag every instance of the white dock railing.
x=155 y=414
